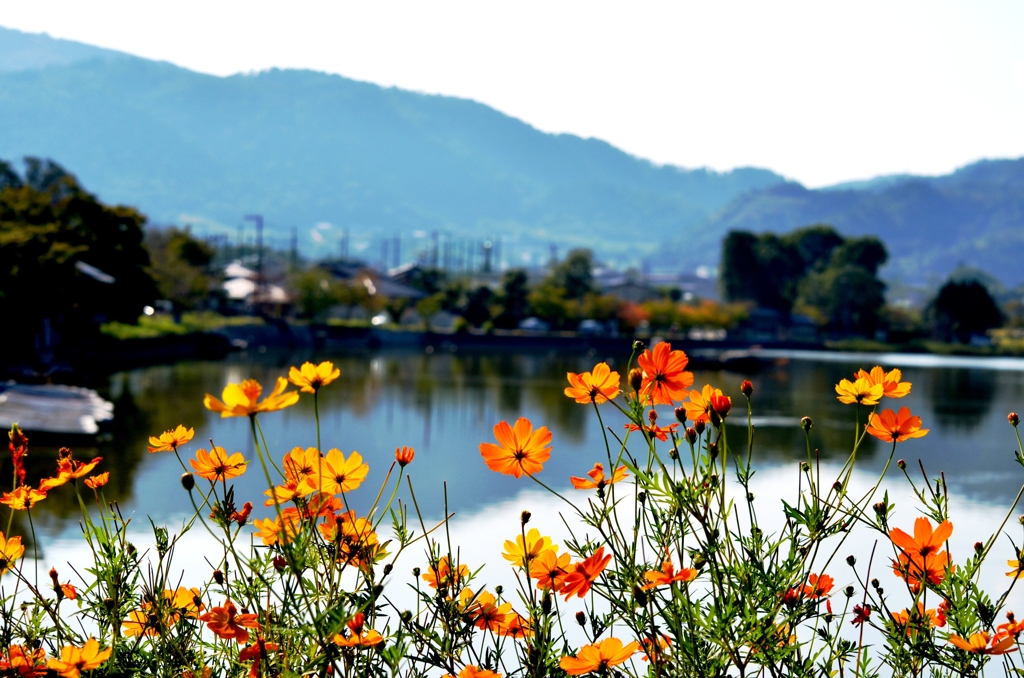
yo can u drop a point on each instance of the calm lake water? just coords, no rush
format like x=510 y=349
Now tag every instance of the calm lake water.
x=445 y=404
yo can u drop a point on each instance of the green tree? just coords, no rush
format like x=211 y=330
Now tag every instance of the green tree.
x=316 y=292
x=513 y=298
x=765 y=269
x=846 y=299
x=963 y=309
x=478 y=305
x=574 y=274
x=180 y=265
x=67 y=262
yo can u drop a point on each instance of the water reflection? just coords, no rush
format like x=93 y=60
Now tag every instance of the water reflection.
x=444 y=405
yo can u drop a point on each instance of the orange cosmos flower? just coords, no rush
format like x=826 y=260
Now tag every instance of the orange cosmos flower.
x=668 y=575
x=73 y=660
x=860 y=391
x=521 y=553
x=170 y=441
x=597 y=478
x=282 y=494
x=1011 y=629
x=916 y=618
x=356 y=637
x=225 y=621
x=818 y=586
x=23 y=663
x=890 y=381
x=520 y=449
x=472 y=671
x=655 y=431
x=664 y=377
x=271 y=531
x=917 y=570
x=300 y=463
x=336 y=474
x=311 y=378
x=895 y=427
x=596 y=387
x=655 y=647
x=515 y=626
x=217 y=465
x=356 y=541
x=404 y=456
x=68 y=469
x=11 y=551
x=584 y=574
x=978 y=644
x=22 y=498
x=598 y=657
x=550 y=570
x=698 y=407
x=482 y=609
x=255 y=653
x=242 y=400
x=97 y=481
x=1017 y=572
x=442 y=574
x=925 y=540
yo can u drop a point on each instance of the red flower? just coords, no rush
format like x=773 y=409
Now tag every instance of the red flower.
x=585 y=573
x=860 y=614
x=665 y=376
x=818 y=586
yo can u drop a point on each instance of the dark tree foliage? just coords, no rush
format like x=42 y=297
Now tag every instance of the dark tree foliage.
x=828 y=276
x=59 y=249
x=427 y=280
x=513 y=298
x=179 y=262
x=478 y=305
x=574 y=274
x=964 y=309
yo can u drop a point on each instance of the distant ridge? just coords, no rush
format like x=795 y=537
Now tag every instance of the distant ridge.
x=28 y=51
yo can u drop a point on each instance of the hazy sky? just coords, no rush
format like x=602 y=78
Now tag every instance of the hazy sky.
x=819 y=91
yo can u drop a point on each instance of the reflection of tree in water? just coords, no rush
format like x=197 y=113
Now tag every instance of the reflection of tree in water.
x=961 y=398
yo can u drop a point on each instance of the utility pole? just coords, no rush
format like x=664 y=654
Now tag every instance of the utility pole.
x=396 y=253
x=295 y=248
x=488 y=248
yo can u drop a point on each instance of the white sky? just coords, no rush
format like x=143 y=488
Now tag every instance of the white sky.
x=819 y=91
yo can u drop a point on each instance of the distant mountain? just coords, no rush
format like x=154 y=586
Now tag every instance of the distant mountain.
x=302 y=147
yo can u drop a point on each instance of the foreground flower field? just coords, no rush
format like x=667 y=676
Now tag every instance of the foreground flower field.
x=669 y=565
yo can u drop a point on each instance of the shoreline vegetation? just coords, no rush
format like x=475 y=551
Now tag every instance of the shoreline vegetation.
x=670 y=567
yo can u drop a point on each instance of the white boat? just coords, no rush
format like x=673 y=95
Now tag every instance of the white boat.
x=51 y=408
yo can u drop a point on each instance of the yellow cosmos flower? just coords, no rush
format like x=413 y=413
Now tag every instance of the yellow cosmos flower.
x=520 y=554
x=169 y=441
x=861 y=391
x=311 y=378
x=23 y=498
x=73 y=660
x=11 y=551
x=890 y=381
x=241 y=400
x=338 y=474
x=217 y=465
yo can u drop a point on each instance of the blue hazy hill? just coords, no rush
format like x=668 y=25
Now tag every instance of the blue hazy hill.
x=304 y=147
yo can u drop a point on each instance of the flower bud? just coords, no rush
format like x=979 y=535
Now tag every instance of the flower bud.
x=524 y=517
x=837 y=486
x=636 y=379
x=746 y=387
x=499 y=589
x=387 y=569
x=1013 y=418
x=691 y=435
x=416 y=572
x=851 y=561
x=188 y=481
x=280 y=563
x=978 y=547
x=901 y=464
x=640 y=596
x=721 y=404
x=53 y=576
x=108 y=603
x=638 y=345
x=750 y=496
x=406 y=616
x=698 y=426
x=874 y=583
x=641 y=496
x=581 y=618
x=849 y=592
x=652 y=417
x=713 y=450
x=218 y=577
x=404 y=456
x=681 y=415
x=806 y=423
x=673 y=453
x=881 y=508
x=545 y=603
x=805 y=467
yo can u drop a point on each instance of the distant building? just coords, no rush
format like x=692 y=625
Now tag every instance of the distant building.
x=370 y=278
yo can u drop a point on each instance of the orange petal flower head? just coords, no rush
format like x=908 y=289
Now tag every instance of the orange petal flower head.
x=892 y=387
x=311 y=378
x=550 y=570
x=597 y=386
x=73 y=660
x=918 y=618
x=169 y=441
x=668 y=575
x=860 y=391
x=597 y=478
x=242 y=400
x=665 y=376
x=22 y=498
x=338 y=473
x=660 y=432
x=818 y=586
x=978 y=644
x=598 y=657
x=722 y=404
x=925 y=541
x=521 y=553
x=404 y=456
x=895 y=426
x=698 y=407
x=443 y=575
x=25 y=663
x=97 y=481
x=217 y=465
x=11 y=550
x=225 y=621
x=273 y=530
x=585 y=573
x=519 y=450
x=472 y=671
